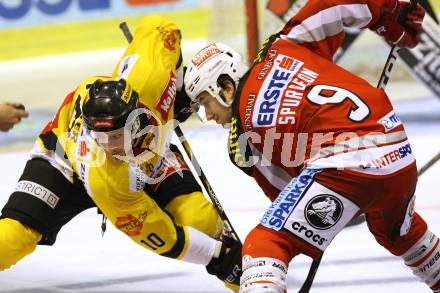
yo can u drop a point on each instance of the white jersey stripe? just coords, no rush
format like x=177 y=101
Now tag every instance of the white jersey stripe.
x=375 y=154
x=274 y=174
x=330 y=22
x=383 y=160
x=361 y=142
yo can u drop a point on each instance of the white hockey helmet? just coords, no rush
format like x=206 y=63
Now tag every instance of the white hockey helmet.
x=208 y=65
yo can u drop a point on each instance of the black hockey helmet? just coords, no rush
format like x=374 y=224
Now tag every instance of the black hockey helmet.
x=109 y=104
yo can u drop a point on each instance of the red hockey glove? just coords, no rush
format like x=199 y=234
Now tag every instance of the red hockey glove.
x=406 y=33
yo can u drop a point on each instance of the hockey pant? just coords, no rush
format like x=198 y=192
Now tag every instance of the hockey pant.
x=16 y=241
x=315 y=206
x=183 y=215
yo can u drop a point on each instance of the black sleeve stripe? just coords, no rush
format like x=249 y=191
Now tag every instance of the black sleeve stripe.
x=178 y=246
x=178 y=183
x=49 y=140
x=173 y=186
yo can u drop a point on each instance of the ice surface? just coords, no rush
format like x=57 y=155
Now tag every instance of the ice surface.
x=83 y=261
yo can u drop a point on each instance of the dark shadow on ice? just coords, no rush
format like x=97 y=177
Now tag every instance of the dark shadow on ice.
x=83 y=286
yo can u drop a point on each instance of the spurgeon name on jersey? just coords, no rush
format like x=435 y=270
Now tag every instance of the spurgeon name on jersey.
x=295 y=108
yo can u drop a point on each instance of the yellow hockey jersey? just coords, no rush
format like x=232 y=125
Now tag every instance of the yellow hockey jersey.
x=117 y=186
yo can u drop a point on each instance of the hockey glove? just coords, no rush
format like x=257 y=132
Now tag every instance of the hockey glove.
x=227 y=267
x=403 y=31
x=182 y=104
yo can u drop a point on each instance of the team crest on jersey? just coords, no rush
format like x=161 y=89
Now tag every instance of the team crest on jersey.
x=323 y=211
x=169 y=37
x=130 y=224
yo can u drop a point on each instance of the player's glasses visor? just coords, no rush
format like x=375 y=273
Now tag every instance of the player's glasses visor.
x=199 y=110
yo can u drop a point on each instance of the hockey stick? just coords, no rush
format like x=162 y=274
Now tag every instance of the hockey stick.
x=205 y=182
x=429 y=164
x=285 y=10
x=423 y=60
x=418 y=60
x=383 y=81
x=392 y=57
x=314 y=267
x=429 y=9
x=214 y=199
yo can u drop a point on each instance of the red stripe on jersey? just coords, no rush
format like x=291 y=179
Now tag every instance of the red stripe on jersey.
x=54 y=122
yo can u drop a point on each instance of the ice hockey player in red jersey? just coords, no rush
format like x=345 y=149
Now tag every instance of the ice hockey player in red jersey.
x=323 y=144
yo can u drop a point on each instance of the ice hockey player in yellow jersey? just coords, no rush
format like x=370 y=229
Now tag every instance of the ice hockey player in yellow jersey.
x=108 y=146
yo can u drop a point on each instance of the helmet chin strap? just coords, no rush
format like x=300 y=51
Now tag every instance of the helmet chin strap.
x=222 y=101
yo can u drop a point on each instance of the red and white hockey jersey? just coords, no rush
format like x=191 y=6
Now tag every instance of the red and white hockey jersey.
x=295 y=108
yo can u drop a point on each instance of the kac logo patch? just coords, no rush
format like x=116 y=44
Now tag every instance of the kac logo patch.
x=323 y=211
x=320 y=215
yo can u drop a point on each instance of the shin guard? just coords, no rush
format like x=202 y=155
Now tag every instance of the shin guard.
x=424 y=259
x=263 y=275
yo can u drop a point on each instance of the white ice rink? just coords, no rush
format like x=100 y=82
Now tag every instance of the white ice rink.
x=83 y=261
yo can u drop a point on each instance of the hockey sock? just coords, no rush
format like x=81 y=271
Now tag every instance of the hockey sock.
x=424 y=259
x=263 y=274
